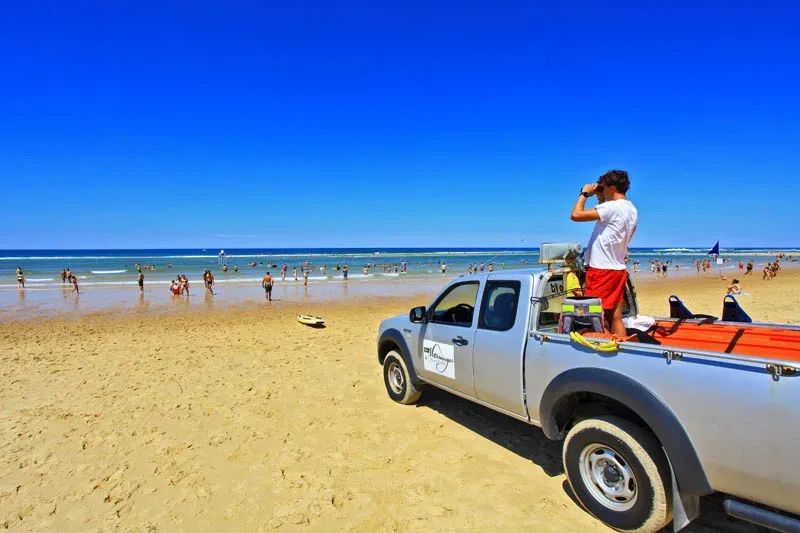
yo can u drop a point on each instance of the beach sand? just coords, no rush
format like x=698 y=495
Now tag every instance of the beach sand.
x=228 y=419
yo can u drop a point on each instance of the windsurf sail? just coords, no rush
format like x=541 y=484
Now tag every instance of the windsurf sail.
x=714 y=250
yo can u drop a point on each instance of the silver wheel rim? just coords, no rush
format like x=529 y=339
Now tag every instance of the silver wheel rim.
x=608 y=477
x=396 y=379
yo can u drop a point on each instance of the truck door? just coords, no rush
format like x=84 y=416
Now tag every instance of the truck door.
x=447 y=338
x=499 y=341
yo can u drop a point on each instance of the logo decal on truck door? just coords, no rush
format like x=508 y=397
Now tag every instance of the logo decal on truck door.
x=439 y=358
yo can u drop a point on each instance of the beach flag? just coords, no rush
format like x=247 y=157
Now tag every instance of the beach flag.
x=714 y=250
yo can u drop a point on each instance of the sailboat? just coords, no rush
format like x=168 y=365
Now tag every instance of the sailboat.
x=714 y=250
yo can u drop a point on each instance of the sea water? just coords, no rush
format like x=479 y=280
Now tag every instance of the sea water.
x=116 y=268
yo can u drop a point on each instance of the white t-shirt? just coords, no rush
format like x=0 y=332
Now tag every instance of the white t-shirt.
x=612 y=234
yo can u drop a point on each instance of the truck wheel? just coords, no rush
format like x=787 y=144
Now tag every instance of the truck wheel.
x=397 y=379
x=619 y=473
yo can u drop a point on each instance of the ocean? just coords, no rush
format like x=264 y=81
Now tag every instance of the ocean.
x=116 y=268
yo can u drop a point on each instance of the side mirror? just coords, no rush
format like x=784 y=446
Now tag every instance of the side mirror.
x=417 y=315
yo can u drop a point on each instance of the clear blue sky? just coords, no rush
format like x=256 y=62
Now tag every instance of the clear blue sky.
x=414 y=123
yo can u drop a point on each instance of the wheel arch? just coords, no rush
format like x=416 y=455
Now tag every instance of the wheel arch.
x=391 y=339
x=591 y=391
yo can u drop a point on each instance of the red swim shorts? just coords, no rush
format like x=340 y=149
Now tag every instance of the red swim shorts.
x=608 y=285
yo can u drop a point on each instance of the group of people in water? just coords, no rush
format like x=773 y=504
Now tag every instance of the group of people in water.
x=66 y=277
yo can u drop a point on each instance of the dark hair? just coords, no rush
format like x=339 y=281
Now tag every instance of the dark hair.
x=736 y=281
x=616 y=178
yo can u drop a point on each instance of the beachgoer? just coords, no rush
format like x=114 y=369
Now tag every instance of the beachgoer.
x=283 y=273
x=69 y=275
x=224 y=268
x=664 y=269
x=616 y=216
x=140 y=281
x=749 y=267
x=344 y=271
x=294 y=271
x=63 y=276
x=741 y=265
x=734 y=287
x=236 y=268
x=20 y=278
x=305 y=277
x=266 y=282
x=185 y=282
x=210 y=282
x=75 y=285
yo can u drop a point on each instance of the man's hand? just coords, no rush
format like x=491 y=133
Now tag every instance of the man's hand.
x=589 y=188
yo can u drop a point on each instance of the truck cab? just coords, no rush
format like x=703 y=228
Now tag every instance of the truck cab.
x=471 y=340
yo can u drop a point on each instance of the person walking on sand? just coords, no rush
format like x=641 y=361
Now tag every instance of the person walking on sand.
x=140 y=281
x=616 y=219
x=20 y=278
x=749 y=267
x=75 y=288
x=266 y=282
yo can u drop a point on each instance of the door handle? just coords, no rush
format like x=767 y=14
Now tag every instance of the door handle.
x=460 y=341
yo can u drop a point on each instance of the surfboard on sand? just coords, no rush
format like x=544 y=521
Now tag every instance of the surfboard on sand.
x=310 y=320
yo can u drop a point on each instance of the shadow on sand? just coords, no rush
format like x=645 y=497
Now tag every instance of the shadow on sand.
x=530 y=443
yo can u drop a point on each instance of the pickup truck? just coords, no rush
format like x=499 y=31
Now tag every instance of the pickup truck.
x=710 y=406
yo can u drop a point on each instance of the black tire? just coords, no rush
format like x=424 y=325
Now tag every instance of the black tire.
x=612 y=450
x=398 y=380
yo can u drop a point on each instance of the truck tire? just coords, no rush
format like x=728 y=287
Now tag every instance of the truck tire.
x=619 y=473
x=397 y=379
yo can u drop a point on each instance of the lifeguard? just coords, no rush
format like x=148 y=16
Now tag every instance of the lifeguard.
x=606 y=274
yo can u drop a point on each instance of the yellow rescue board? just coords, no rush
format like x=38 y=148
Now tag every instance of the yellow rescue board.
x=310 y=320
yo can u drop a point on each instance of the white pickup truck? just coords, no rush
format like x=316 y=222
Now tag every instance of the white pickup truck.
x=648 y=428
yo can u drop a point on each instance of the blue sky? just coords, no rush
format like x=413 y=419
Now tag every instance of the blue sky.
x=211 y=124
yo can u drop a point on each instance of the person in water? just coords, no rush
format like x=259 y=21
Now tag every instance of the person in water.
x=20 y=278
x=267 y=283
x=140 y=281
x=616 y=219
x=75 y=288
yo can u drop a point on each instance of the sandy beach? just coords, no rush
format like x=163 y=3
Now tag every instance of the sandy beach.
x=237 y=418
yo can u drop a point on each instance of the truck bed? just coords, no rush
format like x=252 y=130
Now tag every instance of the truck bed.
x=738 y=339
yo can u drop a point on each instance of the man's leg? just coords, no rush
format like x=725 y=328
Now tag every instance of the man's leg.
x=614 y=320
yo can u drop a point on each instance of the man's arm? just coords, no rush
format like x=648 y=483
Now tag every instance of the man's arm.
x=579 y=211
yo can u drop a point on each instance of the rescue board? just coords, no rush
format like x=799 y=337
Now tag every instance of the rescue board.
x=310 y=320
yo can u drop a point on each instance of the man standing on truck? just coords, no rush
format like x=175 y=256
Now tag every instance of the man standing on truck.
x=606 y=275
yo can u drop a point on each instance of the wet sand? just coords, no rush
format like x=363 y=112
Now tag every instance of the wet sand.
x=238 y=418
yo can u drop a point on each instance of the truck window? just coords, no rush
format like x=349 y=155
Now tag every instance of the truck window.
x=457 y=306
x=499 y=305
x=550 y=310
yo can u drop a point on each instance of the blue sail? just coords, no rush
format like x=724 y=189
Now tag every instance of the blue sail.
x=714 y=250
